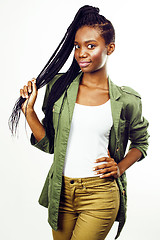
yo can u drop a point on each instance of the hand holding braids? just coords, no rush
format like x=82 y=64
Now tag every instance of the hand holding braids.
x=86 y=16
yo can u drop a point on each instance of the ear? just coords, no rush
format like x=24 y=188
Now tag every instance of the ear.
x=110 y=48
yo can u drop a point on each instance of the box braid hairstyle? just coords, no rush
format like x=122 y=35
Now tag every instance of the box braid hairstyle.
x=86 y=16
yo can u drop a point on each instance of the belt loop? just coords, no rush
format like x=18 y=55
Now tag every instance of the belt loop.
x=80 y=180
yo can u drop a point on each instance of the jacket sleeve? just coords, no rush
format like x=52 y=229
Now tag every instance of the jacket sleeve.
x=47 y=143
x=138 y=134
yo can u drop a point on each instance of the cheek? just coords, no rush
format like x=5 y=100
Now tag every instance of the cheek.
x=75 y=55
x=98 y=56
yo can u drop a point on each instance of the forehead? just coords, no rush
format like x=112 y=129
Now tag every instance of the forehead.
x=86 y=33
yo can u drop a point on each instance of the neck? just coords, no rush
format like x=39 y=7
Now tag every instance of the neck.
x=97 y=79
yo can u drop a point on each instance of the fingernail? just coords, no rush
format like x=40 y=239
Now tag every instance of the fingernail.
x=29 y=90
x=94 y=169
x=33 y=80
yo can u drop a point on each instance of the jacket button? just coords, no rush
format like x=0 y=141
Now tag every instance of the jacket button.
x=72 y=181
x=53 y=109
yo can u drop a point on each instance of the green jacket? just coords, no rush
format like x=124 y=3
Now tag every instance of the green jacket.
x=128 y=124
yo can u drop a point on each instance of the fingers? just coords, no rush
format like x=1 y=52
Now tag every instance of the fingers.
x=24 y=92
x=104 y=165
x=107 y=169
x=108 y=172
x=104 y=159
x=109 y=154
x=29 y=88
x=34 y=87
x=113 y=174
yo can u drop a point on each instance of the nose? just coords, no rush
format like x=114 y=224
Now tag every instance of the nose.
x=82 y=53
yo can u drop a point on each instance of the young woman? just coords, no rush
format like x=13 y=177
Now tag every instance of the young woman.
x=88 y=122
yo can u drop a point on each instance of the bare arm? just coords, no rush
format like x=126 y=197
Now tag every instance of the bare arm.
x=132 y=156
x=28 y=109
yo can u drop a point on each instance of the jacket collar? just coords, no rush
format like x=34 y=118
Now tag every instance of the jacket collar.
x=72 y=94
x=116 y=106
x=113 y=89
x=114 y=92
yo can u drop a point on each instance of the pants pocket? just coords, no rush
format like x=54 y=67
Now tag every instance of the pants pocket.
x=104 y=186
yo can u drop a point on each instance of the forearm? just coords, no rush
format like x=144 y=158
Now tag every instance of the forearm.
x=132 y=156
x=35 y=125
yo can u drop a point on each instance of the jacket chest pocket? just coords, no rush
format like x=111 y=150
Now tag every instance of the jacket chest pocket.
x=56 y=116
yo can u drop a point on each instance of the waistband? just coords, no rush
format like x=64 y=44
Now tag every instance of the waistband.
x=88 y=180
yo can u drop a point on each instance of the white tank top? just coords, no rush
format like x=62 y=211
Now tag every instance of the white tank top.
x=88 y=139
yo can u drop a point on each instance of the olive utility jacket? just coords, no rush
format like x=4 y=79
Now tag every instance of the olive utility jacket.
x=128 y=124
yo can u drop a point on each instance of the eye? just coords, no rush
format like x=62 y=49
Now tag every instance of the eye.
x=91 y=46
x=76 y=46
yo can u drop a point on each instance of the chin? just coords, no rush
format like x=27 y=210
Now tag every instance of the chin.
x=85 y=70
x=88 y=70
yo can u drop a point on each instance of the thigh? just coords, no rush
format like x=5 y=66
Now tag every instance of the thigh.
x=92 y=226
x=95 y=223
x=66 y=217
x=66 y=224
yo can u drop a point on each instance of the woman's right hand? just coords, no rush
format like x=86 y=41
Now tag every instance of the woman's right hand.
x=29 y=92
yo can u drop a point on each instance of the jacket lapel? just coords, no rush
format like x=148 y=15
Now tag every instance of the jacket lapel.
x=72 y=95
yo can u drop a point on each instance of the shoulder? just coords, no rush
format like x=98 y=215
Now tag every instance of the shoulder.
x=49 y=87
x=131 y=99
x=132 y=103
x=123 y=93
x=128 y=90
x=51 y=83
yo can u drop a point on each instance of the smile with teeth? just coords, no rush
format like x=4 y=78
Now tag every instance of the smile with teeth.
x=84 y=64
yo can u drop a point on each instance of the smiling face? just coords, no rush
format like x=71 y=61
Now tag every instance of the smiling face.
x=90 y=49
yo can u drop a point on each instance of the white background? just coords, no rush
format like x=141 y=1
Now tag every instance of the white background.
x=30 y=32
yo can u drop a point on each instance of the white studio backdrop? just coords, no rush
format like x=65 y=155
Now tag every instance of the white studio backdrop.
x=30 y=32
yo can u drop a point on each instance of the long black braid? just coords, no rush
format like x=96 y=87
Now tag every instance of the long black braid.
x=86 y=15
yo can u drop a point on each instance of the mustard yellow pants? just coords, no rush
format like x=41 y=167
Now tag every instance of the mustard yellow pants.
x=88 y=208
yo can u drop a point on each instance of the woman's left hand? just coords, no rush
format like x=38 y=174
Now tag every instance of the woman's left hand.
x=109 y=168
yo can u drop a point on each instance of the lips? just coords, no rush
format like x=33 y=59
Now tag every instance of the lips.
x=84 y=64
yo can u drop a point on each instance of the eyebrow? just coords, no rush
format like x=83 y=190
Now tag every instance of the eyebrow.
x=87 y=41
